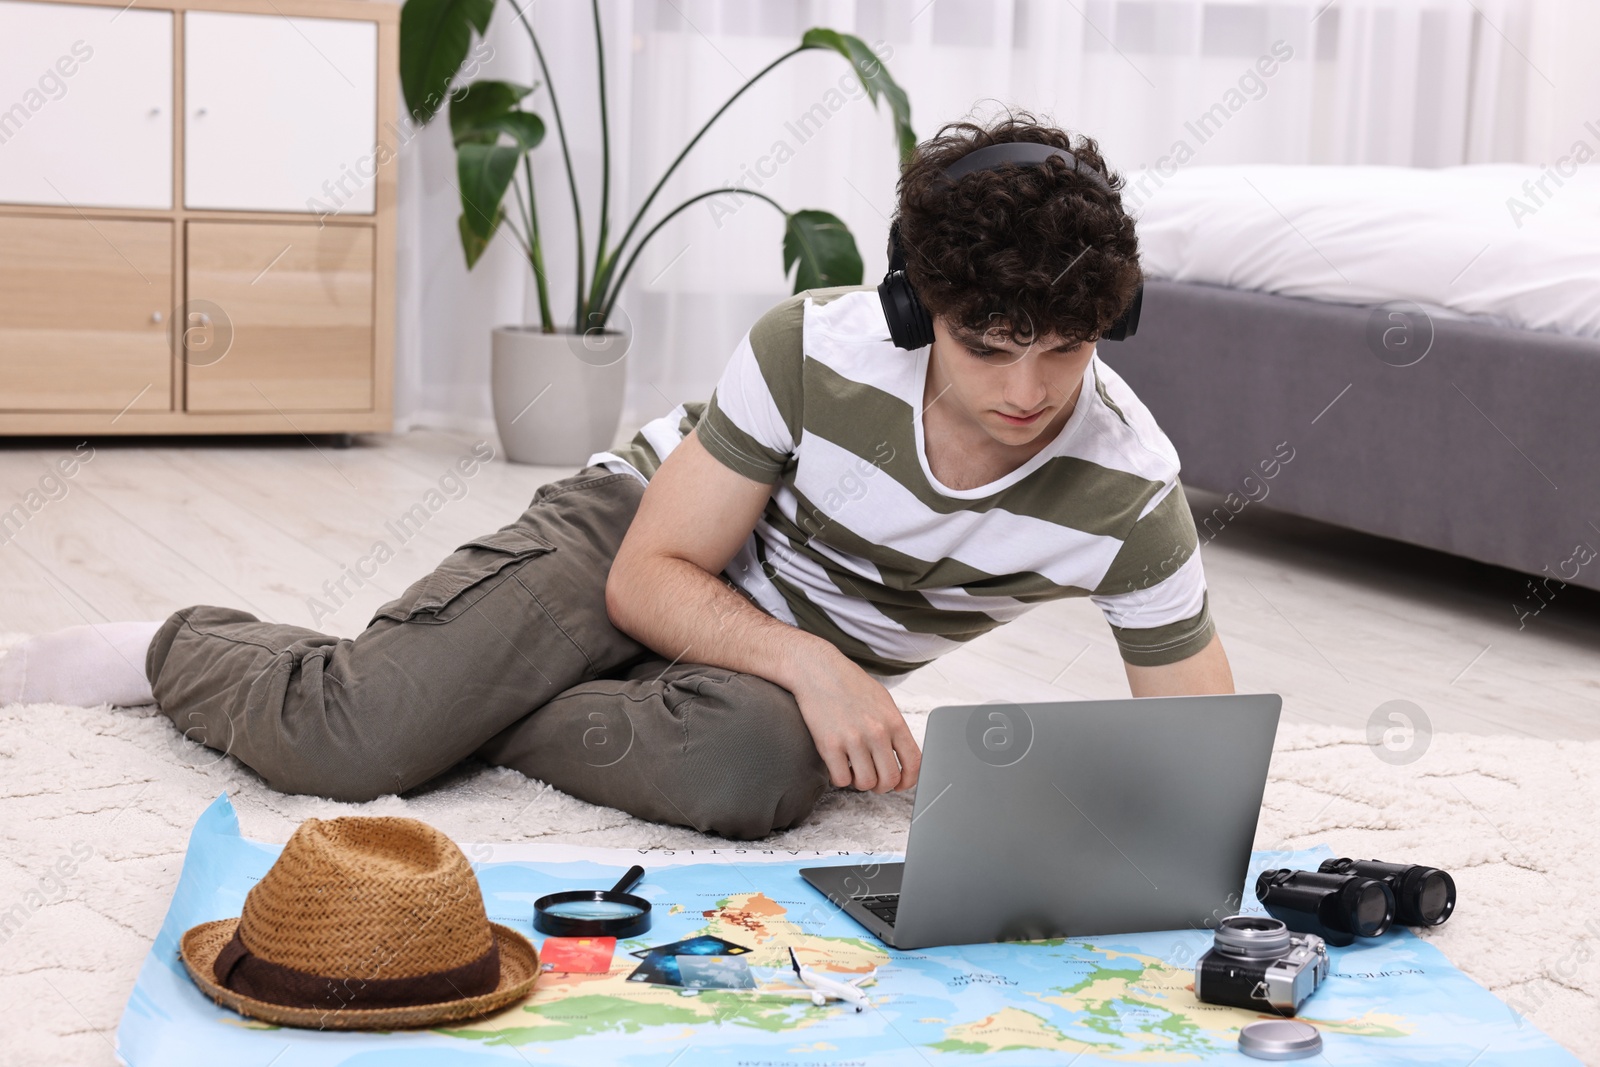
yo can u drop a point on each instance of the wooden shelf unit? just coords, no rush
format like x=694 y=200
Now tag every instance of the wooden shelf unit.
x=111 y=302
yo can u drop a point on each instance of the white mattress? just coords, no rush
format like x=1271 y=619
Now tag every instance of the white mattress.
x=1443 y=238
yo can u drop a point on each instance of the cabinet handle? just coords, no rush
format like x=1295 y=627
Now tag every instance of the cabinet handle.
x=199 y=112
x=155 y=316
x=154 y=112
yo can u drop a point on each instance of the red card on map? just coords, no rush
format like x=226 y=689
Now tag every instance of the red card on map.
x=578 y=955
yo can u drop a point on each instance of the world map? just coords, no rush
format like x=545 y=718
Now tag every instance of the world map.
x=1123 y=999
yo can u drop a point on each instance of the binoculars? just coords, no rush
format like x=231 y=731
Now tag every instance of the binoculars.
x=1344 y=899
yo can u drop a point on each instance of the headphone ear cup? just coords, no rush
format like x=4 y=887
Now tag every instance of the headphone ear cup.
x=910 y=325
x=1126 y=326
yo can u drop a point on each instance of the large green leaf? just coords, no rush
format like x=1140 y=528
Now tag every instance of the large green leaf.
x=482 y=111
x=485 y=171
x=434 y=38
x=824 y=249
x=874 y=77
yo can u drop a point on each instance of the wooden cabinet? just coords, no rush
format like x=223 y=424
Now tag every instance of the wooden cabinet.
x=88 y=98
x=281 y=113
x=85 y=320
x=197 y=215
x=295 y=303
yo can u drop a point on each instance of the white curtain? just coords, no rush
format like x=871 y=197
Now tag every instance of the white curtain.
x=1405 y=82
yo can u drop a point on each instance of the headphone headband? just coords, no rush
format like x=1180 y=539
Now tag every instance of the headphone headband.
x=1027 y=152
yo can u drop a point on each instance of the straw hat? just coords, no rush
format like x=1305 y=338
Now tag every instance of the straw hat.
x=362 y=924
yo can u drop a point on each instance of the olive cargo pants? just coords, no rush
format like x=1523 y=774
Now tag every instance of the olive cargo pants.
x=504 y=652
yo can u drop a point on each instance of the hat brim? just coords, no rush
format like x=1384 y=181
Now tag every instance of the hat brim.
x=519 y=971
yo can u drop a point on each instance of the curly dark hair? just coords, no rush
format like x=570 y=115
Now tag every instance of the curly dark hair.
x=1026 y=250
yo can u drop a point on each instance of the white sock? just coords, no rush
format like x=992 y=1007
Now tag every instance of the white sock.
x=83 y=666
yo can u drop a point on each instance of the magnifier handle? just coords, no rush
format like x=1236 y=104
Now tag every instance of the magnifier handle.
x=629 y=880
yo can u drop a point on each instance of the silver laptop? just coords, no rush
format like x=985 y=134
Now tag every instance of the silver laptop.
x=1071 y=819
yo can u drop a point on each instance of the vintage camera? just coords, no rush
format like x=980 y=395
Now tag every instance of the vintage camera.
x=1336 y=907
x=1255 y=962
x=1423 y=896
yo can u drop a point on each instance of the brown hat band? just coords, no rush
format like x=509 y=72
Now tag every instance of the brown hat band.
x=247 y=974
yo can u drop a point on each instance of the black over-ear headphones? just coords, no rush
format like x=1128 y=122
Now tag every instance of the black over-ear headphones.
x=910 y=324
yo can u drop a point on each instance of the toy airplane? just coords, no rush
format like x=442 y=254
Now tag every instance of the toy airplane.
x=825 y=989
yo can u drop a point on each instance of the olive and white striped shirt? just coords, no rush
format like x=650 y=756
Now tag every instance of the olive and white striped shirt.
x=861 y=545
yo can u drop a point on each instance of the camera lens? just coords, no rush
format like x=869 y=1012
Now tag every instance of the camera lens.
x=1252 y=936
x=1423 y=896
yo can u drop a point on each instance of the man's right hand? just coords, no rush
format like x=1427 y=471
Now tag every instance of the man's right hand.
x=856 y=726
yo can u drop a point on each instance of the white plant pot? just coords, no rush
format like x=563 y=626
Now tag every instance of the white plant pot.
x=557 y=396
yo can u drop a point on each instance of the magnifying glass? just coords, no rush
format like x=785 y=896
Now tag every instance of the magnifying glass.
x=610 y=912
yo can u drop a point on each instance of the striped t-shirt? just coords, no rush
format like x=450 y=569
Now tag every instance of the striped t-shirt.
x=861 y=545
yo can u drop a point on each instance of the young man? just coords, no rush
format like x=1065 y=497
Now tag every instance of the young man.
x=700 y=628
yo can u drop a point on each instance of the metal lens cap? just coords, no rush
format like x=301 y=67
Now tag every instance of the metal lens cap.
x=1280 y=1039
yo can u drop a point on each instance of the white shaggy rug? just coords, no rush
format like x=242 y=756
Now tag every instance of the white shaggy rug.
x=96 y=806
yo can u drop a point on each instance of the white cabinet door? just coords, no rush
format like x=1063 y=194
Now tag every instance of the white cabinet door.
x=87 y=99
x=281 y=113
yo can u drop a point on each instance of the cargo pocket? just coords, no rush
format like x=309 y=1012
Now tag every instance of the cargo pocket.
x=464 y=577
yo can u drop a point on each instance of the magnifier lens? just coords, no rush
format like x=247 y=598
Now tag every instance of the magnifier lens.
x=598 y=913
x=592 y=909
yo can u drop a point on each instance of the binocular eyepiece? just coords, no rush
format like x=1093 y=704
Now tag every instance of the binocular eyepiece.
x=1423 y=896
x=1345 y=899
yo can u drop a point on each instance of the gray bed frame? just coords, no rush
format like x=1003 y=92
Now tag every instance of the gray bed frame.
x=1487 y=447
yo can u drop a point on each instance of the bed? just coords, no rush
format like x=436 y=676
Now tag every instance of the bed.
x=1385 y=349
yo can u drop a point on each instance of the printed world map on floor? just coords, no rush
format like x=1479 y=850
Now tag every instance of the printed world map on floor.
x=1119 y=999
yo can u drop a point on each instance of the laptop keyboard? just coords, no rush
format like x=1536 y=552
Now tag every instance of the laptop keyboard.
x=884 y=906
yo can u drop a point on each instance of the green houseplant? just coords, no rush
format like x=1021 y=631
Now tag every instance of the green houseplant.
x=494 y=134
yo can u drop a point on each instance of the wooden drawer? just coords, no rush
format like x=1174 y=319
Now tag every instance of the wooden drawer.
x=279 y=317
x=84 y=308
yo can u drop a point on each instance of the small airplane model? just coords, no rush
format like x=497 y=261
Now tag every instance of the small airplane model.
x=825 y=989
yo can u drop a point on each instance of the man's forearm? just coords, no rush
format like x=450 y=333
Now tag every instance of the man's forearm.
x=665 y=590
x=681 y=611
x=1207 y=671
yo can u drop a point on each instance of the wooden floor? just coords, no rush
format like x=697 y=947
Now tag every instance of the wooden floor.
x=1337 y=622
